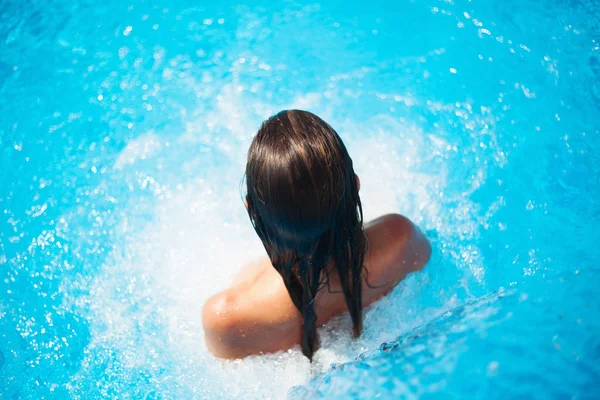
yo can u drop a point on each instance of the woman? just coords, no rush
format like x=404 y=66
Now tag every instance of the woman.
x=302 y=199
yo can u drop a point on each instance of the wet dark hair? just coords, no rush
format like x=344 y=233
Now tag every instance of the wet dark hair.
x=302 y=198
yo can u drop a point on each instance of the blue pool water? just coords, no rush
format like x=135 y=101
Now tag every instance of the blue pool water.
x=123 y=133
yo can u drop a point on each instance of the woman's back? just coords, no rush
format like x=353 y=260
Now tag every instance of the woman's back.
x=256 y=315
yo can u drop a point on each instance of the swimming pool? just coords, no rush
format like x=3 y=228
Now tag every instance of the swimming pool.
x=123 y=133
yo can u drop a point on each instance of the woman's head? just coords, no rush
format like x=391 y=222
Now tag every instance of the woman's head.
x=302 y=198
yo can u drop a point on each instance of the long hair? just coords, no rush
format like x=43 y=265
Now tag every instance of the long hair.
x=302 y=198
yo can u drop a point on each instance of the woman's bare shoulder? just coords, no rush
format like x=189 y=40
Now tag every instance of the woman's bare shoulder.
x=395 y=247
x=388 y=233
x=251 y=316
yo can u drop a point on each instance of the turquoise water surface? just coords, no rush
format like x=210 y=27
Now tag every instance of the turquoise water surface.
x=124 y=128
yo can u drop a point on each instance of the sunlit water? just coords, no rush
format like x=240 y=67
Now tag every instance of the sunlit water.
x=123 y=135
